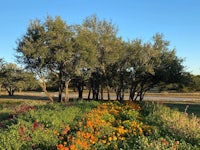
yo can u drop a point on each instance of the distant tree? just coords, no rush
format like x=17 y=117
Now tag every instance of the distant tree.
x=2 y=67
x=13 y=78
x=2 y=64
x=196 y=81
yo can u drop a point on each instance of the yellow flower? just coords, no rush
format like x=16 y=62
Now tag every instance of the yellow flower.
x=114 y=138
x=122 y=138
x=115 y=146
x=110 y=138
x=108 y=143
x=103 y=141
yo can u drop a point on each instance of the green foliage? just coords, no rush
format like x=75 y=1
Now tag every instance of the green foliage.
x=13 y=78
x=175 y=124
x=196 y=83
x=92 y=55
x=107 y=128
x=98 y=125
x=36 y=123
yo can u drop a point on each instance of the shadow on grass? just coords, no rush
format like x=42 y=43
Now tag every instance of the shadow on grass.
x=189 y=108
x=32 y=97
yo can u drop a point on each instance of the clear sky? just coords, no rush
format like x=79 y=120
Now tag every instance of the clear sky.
x=178 y=20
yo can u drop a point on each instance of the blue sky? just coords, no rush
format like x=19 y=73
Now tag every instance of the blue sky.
x=178 y=20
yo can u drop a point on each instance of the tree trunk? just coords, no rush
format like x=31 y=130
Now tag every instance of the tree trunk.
x=20 y=90
x=93 y=93
x=67 y=91
x=108 y=90
x=43 y=86
x=48 y=95
x=60 y=90
x=80 y=93
x=101 y=92
x=80 y=89
x=117 y=91
x=133 y=95
x=11 y=91
x=89 y=93
x=97 y=94
x=122 y=95
x=142 y=92
x=142 y=96
x=121 y=89
x=60 y=87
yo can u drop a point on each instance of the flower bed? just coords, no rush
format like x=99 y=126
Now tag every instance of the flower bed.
x=115 y=126
x=95 y=125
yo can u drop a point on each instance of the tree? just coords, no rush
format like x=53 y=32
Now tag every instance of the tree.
x=107 y=45
x=86 y=60
x=48 y=49
x=60 y=40
x=189 y=84
x=196 y=82
x=33 y=53
x=91 y=54
x=146 y=65
x=2 y=67
x=13 y=78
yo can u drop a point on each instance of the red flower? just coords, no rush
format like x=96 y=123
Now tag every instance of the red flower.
x=35 y=125
x=21 y=130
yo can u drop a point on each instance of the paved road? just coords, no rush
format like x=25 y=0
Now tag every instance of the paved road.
x=151 y=97
x=159 y=97
x=155 y=98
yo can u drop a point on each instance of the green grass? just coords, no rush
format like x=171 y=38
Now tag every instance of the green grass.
x=26 y=124
x=189 y=108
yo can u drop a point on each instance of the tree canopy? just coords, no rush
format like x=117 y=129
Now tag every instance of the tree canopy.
x=92 y=55
x=14 y=78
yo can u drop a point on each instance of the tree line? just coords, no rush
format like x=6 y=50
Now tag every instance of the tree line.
x=91 y=55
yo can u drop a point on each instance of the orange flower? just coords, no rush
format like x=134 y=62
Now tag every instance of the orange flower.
x=89 y=124
x=60 y=146
x=55 y=132
x=164 y=142
x=84 y=145
x=73 y=147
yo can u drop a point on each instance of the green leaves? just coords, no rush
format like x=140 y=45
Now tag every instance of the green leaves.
x=56 y=48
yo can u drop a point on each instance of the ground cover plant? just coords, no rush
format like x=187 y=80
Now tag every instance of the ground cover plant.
x=118 y=126
x=96 y=125
x=31 y=125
